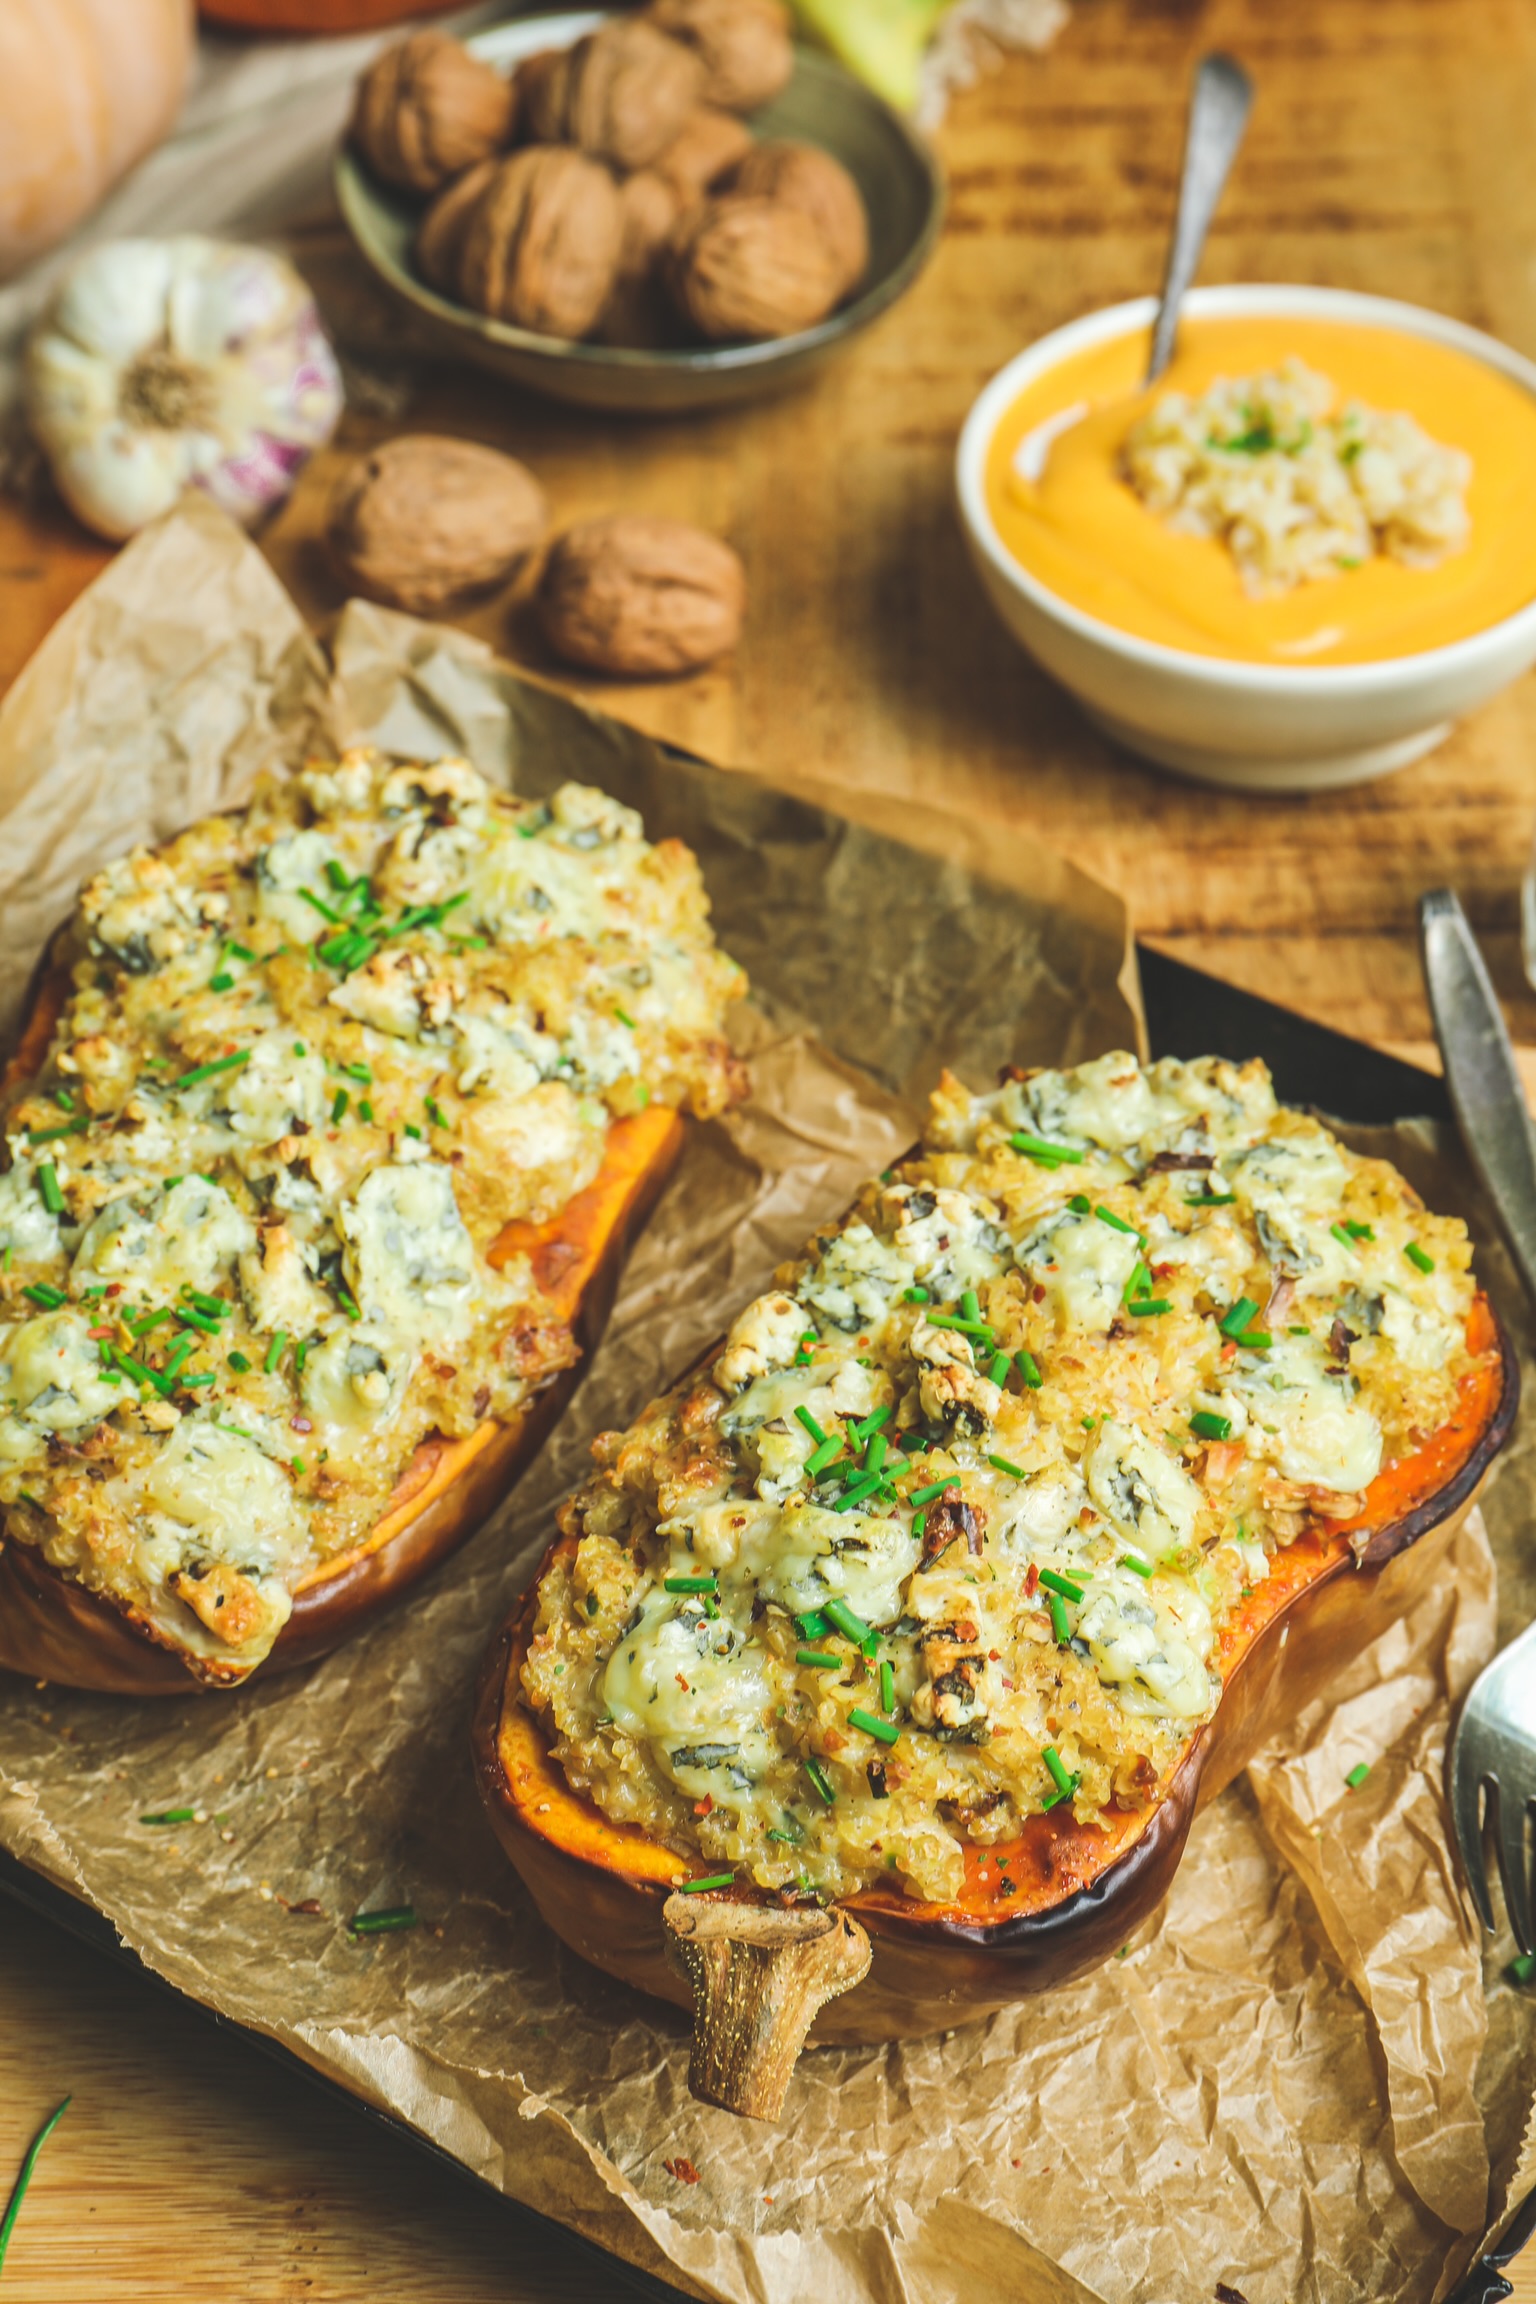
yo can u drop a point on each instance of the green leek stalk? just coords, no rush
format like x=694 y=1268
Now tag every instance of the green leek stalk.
x=882 y=40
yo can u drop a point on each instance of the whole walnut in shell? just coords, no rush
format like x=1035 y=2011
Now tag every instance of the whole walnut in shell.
x=709 y=144
x=745 y=266
x=803 y=176
x=441 y=233
x=541 y=247
x=622 y=93
x=639 y=595
x=744 y=46
x=423 y=521
x=427 y=109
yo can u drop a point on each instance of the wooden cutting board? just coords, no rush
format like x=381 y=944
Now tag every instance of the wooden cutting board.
x=1390 y=150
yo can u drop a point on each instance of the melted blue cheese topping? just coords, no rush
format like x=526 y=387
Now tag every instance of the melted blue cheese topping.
x=948 y=1530
x=314 y=1058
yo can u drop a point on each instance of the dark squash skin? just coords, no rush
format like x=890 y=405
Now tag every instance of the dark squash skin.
x=1063 y=1896
x=54 y=1629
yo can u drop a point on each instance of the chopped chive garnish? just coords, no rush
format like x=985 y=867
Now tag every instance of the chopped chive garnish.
x=1209 y=1425
x=379 y=1923
x=1210 y=1200
x=927 y=1495
x=434 y=1112
x=867 y=1424
x=1136 y=1565
x=1001 y=1464
x=1233 y=1322
x=1059 y=1624
x=149 y=1320
x=24 y=2175
x=300 y=1355
x=238 y=952
x=813 y=1624
x=63 y=1098
x=1029 y=1368
x=970 y=1304
x=207 y=1071
x=1087 y=1422
x=887 y=1685
x=710 y=1880
x=887 y=1731
x=1358 y=1231
x=1341 y=1236
x=624 y=1019
x=338 y=875
x=274 y=1352
x=201 y=1320
x=919 y=1523
x=1050 y=1155
x=215 y=1306
x=296 y=1466
x=1139 y=1283
x=339 y=1103
x=875 y=1453
x=48 y=1185
x=75 y=1127
x=1116 y=1223
x=365 y=1111
x=1057 y=1768
x=1149 y=1308
x=804 y=1416
x=170 y=1816
x=1358 y=1775
x=1080 y=1204
x=916 y=1294
x=347 y=1301
x=44 y=1293
x=957 y=1320
x=320 y=905
x=411 y=1129
x=1519 y=1971
x=818 y=1660
x=998 y=1367
x=239 y=1363
x=819 y=1781
x=183 y=1349
x=298 y=1046
x=1255 y=1340
x=1417 y=1257
x=709 y=1583
x=1301 y=1330
x=362 y=1072
x=204 y=1376
x=862 y=1486
x=821 y=1456
x=845 y=1620
x=223 y=982
x=1062 y=1584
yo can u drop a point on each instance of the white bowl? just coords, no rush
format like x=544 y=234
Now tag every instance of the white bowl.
x=1255 y=727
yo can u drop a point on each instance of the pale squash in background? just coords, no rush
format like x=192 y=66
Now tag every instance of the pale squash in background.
x=87 y=87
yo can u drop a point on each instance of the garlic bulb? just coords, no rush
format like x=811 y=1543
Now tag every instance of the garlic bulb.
x=163 y=365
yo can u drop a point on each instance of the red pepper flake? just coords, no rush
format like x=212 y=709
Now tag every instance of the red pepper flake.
x=1037 y=1294
x=310 y=1909
x=682 y=1683
x=101 y=1335
x=1031 y=1581
x=993 y=1655
x=116 y=1289
x=703 y=1807
x=684 y=2170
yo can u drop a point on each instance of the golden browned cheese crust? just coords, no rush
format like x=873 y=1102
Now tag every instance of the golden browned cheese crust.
x=951 y=1528
x=312 y=1059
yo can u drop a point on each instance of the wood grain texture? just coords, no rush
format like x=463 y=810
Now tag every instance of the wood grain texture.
x=1390 y=150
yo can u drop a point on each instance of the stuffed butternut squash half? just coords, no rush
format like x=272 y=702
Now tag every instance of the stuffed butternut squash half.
x=892 y=1652
x=328 y=1127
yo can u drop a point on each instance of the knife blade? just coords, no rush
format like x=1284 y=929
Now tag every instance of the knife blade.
x=1480 y=1072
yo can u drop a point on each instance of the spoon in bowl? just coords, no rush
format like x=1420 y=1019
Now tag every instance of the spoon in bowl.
x=1218 y=115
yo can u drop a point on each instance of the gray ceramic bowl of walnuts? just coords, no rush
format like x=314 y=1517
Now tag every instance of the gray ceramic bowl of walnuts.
x=822 y=105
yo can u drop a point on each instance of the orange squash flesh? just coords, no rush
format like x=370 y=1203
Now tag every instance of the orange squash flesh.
x=55 y=1629
x=1063 y=1895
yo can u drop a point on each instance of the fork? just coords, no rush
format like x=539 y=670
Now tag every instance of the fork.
x=1492 y=1760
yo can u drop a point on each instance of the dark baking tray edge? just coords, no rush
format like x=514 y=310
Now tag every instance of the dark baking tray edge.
x=1188 y=1014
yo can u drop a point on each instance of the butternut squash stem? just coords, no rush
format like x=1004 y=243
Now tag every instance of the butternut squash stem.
x=760 y=1974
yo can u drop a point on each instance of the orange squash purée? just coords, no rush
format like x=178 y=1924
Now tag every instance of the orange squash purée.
x=1079 y=529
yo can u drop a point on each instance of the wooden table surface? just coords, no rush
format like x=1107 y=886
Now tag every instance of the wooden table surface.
x=1390 y=150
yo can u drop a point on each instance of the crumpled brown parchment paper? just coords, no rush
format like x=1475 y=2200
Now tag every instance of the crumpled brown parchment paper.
x=1299 y=2080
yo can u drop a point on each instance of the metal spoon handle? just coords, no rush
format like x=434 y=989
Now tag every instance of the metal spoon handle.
x=1218 y=115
